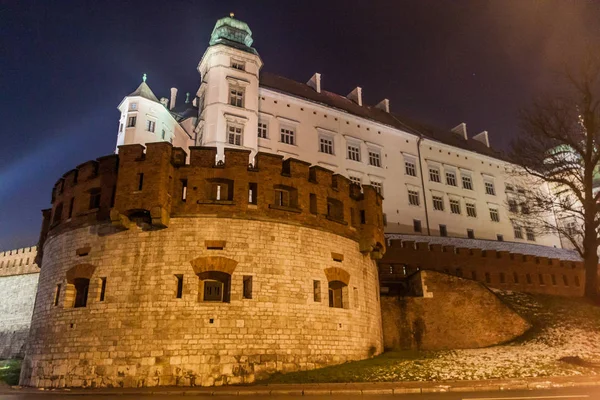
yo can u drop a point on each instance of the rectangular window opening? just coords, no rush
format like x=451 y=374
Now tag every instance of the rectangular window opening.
x=317 y=291
x=247 y=287
x=184 y=184
x=140 y=181
x=417 y=225
x=470 y=233
x=253 y=193
x=179 y=290
x=443 y=230
x=102 y=288
x=313 y=203
x=57 y=295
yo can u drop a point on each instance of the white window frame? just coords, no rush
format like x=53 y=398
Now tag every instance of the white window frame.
x=326 y=144
x=150 y=125
x=494 y=214
x=355 y=179
x=489 y=186
x=466 y=177
x=455 y=206
x=517 y=231
x=263 y=131
x=414 y=194
x=378 y=186
x=434 y=174
x=133 y=106
x=374 y=157
x=353 y=150
x=471 y=205
x=529 y=234
x=237 y=64
x=452 y=173
x=237 y=136
x=236 y=99
x=131 y=118
x=437 y=200
x=410 y=164
x=287 y=135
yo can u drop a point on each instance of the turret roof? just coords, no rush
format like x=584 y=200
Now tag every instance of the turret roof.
x=144 y=91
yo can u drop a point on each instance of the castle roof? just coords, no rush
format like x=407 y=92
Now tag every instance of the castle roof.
x=144 y=91
x=403 y=123
x=234 y=33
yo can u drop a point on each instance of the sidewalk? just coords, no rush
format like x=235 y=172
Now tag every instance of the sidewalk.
x=335 y=388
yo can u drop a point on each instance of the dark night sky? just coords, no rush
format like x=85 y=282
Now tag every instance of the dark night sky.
x=66 y=65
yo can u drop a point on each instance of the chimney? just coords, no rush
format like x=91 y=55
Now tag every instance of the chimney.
x=356 y=95
x=164 y=101
x=173 y=97
x=315 y=82
x=384 y=105
x=460 y=130
x=482 y=137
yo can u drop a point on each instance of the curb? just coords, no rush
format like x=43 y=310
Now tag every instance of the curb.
x=386 y=388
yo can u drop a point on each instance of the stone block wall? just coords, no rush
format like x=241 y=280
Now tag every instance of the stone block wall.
x=141 y=334
x=498 y=269
x=446 y=312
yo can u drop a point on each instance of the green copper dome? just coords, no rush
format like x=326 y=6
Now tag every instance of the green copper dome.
x=229 y=29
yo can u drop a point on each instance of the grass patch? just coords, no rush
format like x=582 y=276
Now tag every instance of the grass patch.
x=561 y=328
x=10 y=371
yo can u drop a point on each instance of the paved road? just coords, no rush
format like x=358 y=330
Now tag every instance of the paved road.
x=592 y=393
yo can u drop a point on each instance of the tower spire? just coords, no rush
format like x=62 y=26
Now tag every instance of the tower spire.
x=144 y=77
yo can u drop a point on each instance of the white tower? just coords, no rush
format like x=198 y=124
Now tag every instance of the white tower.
x=228 y=95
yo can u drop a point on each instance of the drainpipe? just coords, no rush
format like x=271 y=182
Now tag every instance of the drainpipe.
x=423 y=183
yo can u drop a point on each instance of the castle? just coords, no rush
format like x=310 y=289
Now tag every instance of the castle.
x=243 y=232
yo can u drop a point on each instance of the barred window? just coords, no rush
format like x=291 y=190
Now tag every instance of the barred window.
x=410 y=168
x=438 y=203
x=451 y=178
x=326 y=145
x=467 y=182
x=455 y=206
x=471 y=210
x=434 y=174
x=354 y=152
x=374 y=158
x=234 y=135
x=262 y=130
x=494 y=215
x=413 y=197
x=288 y=135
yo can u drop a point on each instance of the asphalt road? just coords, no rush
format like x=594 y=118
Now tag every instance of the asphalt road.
x=591 y=393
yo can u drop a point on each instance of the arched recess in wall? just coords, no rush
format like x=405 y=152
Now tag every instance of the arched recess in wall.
x=338 y=280
x=78 y=285
x=214 y=275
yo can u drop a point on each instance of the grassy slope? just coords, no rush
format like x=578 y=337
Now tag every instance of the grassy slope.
x=9 y=372
x=562 y=327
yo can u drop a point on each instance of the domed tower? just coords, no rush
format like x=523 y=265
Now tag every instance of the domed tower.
x=228 y=94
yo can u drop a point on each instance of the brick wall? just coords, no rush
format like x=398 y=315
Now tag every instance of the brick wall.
x=17 y=295
x=498 y=269
x=18 y=261
x=142 y=335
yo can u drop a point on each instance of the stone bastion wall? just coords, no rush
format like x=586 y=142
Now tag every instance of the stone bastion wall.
x=202 y=274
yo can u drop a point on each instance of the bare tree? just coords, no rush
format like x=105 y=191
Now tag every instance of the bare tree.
x=559 y=150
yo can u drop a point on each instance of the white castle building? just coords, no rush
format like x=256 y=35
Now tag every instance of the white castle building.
x=435 y=182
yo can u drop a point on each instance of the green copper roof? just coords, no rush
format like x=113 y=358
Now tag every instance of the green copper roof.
x=232 y=30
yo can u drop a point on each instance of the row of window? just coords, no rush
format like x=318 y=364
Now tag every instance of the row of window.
x=150 y=126
x=215 y=286
x=518 y=231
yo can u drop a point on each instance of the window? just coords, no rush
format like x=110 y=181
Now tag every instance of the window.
x=512 y=205
x=417 y=225
x=487 y=277
x=528 y=277
x=451 y=178
x=413 y=197
x=576 y=279
x=184 y=189
x=56 y=294
x=502 y=277
x=326 y=144
x=57 y=213
x=286 y=196
x=179 y=290
x=94 y=198
x=471 y=210
x=553 y=277
x=467 y=182
x=288 y=135
x=355 y=180
x=131 y=121
x=133 y=106
x=378 y=187
x=140 y=181
x=335 y=209
x=336 y=294
x=443 y=231
x=454 y=206
x=541 y=278
x=262 y=130
x=354 y=151
x=434 y=174
x=150 y=125
x=247 y=287
x=220 y=189
x=313 y=204
x=529 y=233
x=236 y=96
x=238 y=65
x=71 y=205
x=121 y=127
x=500 y=237
x=234 y=135
x=317 y=291
x=438 y=203
x=82 y=286
x=215 y=286
x=252 y=193
x=164 y=133
x=410 y=168
x=489 y=188
x=524 y=208
x=565 y=280
x=518 y=232
x=213 y=291
x=508 y=187
x=494 y=215
x=470 y=233
x=375 y=157
x=515 y=277
x=102 y=288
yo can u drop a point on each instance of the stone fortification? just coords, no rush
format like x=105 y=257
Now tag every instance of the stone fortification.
x=203 y=274
x=18 y=284
x=441 y=311
x=498 y=269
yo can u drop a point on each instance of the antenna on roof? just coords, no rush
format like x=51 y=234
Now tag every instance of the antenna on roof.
x=144 y=77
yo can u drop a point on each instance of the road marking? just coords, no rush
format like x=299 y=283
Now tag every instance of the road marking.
x=574 y=396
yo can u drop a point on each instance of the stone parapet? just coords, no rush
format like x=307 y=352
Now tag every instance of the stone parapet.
x=18 y=261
